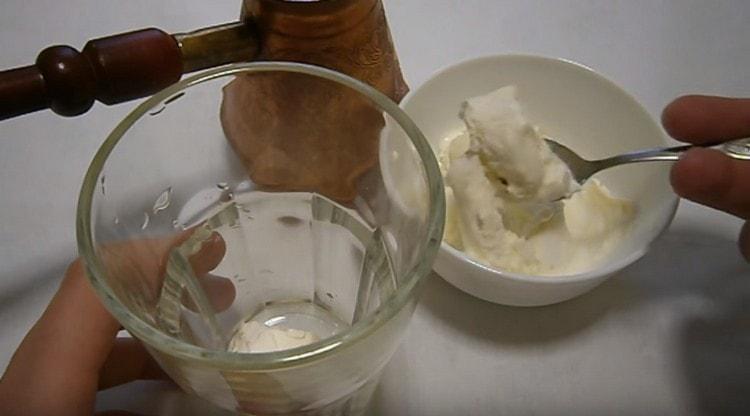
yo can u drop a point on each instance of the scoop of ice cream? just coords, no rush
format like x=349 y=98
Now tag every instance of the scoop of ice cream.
x=503 y=191
x=593 y=212
x=257 y=338
x=511 y=148
x=480 y=218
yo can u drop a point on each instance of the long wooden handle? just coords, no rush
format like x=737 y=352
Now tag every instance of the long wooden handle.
x=119 y=68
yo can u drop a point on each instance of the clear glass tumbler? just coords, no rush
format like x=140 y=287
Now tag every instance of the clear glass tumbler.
x=302 y=198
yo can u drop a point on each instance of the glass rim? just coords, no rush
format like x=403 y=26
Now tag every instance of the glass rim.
x=155 y=338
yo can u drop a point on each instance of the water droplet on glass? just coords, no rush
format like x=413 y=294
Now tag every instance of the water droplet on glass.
x=330 y=295
x=117 y=221
x=245 y=210
x=223 y=186
x=175 y=224
x=163 y=201
x=164 y=105
x=226 y=196
x=174 y=98
x=244 y=186
x=290 y=221
x=104 y=178
x=158 y=110
x=146 y=220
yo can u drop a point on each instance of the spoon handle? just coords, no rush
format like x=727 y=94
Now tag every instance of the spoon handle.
x=737 y=149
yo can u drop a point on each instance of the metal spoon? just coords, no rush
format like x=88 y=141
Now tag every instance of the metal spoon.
x=583 y=169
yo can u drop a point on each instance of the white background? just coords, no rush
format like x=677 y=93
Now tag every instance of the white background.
x=669 y=336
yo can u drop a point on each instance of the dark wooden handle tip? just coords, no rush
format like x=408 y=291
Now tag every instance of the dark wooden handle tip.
x=112 y=70
x=69 y=79
x=22 y=91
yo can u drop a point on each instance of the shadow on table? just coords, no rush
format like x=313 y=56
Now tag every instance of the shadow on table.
x=26 y=282
x=374 y=408
x=654 y=276
x=155 y=398
x=517 y=325
x=714 y=337
x=700 y=270
x=716 y=353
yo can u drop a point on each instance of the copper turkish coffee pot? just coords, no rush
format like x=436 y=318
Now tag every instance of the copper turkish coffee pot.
x=349 y=36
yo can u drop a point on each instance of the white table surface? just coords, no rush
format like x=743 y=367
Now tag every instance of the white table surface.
x=668 y=336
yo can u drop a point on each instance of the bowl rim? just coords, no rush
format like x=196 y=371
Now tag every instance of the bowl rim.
x=608 y=268
x=319 y=350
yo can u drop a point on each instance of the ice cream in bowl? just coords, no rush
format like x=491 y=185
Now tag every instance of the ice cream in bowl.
x=519 y=229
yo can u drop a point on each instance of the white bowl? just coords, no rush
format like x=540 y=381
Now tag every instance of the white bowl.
x=579 y=108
